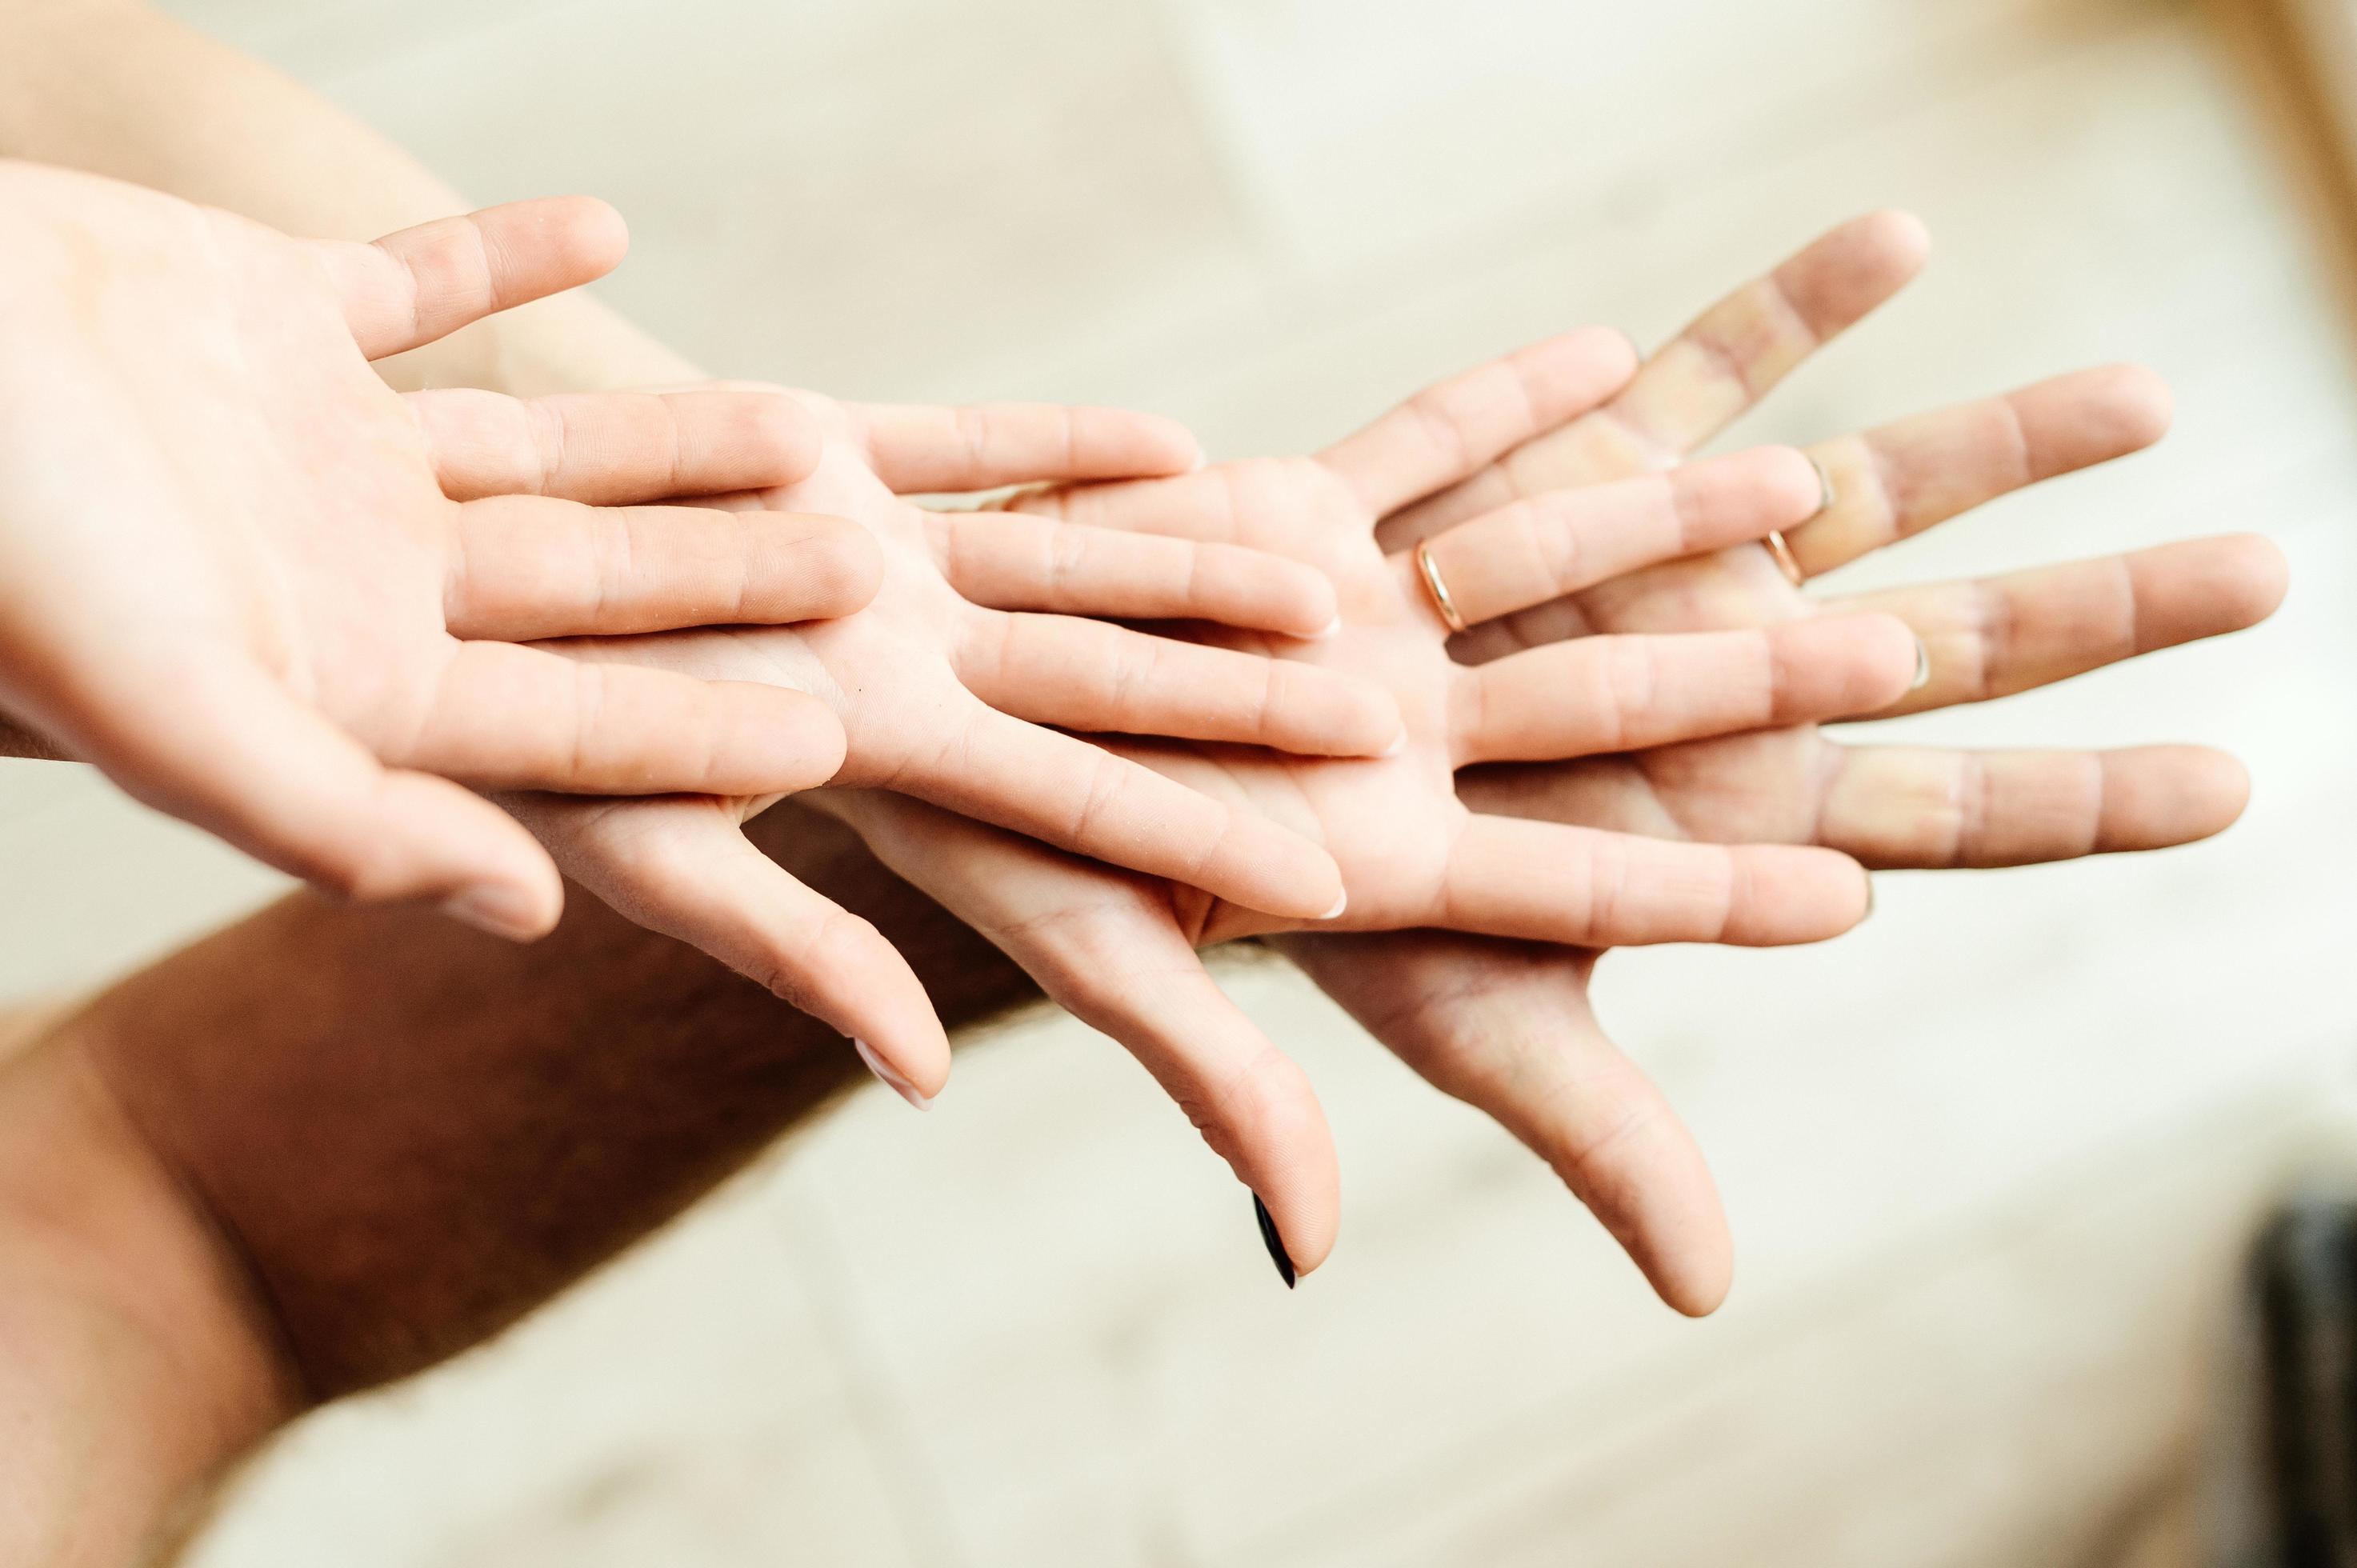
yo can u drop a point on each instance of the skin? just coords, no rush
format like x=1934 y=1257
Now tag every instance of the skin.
x=1502 y=1024
x=336 y=585
x=223 y=1201
x=946 y=684
x=1505 y=1023
x=297 y=600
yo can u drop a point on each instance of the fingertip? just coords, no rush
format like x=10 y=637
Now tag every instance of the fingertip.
x=1885 y=661
x=1782 y=485
x=1151 y=445
x=1901 y=239
x=1610 y=354
x=2227 y=786
x=788 y=741
x=1315 y=611
x=1290 y=875
x=594 y=232
x=892 y=1077
x=505 y=910
x=1854 y=267
x=2140 y=404
x=1794 y=894
x=1696 y=1287
x=2252 y=578
x=838 y=570
x=785 y=432
x=2177 y=795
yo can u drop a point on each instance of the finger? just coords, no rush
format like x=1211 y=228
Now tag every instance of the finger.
x=915 y=447
x=1011 y=562
x=1613 y=693
x=426 y=282
x=1902 y=807
x=1523 y=1045
x=684 y=867
x=234 y=754
x=1083 y=798
x=615 y=448
x=1544 y=882
x=526 y=566
x=1685 y=393
x=1899 y=479
x=506 y=717
x=1448 y=431
x=1997 y=636
x=1088 y=675
x=1559 y=542
x=1105 y=948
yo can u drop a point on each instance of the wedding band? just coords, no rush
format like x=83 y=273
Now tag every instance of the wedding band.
x=1430 y=570
x=1780 y=551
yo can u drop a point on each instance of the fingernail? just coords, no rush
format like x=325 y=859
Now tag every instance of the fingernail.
x=1341 y=902
x=1824 y=484
x=892 y=1080
x=504 y=912
x=1332 y=628
x=1273 y=1242
x=1869 y=899
x=1398 y=745
x=1922 y=667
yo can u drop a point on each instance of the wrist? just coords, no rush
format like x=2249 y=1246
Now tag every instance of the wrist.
x=139 y=1363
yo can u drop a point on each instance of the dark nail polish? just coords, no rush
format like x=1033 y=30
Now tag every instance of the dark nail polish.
x=1274 y=1242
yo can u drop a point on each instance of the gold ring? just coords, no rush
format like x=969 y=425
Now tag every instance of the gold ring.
x=1430 y=570
x=1780 y=551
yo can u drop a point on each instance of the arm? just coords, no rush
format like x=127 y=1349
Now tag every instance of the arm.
x=115 y=87
x=329 y=1147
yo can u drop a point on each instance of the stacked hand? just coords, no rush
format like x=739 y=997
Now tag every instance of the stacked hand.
x=1595 y=583
x=263 y=593
x=1495 y=684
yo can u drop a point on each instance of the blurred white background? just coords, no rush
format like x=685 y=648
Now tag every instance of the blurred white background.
x=1991 y=1158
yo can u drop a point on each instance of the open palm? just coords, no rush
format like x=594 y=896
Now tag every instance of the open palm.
x=1515 y=1035
x=1506 y=1025
x=262 y=591
x=946 y=686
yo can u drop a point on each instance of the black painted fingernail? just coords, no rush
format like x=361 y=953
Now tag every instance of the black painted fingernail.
x=1274 y=1242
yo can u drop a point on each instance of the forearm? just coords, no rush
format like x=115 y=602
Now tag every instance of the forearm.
x=374 y=1139
x=117 y=88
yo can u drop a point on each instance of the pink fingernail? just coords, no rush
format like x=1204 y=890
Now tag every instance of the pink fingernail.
x=501 y=911
x=892 y=1080
x=1341 y=902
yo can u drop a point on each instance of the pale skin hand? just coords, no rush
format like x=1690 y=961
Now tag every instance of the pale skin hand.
x=264 y=593
x=1410 y=854
x=1509 y=1029
x=944 y=686
x=1505 y=1025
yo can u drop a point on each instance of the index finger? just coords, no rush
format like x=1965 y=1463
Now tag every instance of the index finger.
x=615 y=448
x=412 y=287
x=1724 y=361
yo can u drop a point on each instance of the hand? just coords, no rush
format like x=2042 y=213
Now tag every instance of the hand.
x=263 y=593
x=1506 y=1025
x=943 y=694
x=1509 y=1029
x=1119 y=952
